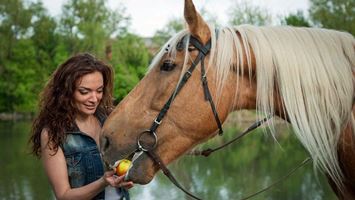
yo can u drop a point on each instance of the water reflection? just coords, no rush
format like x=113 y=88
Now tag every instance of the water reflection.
x=235 y=172
x=21 y=175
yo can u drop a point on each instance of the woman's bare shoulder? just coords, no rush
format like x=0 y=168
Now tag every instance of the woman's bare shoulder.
x=46 y=144
x=44 y=136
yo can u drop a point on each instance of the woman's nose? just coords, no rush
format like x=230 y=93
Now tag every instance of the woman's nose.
x=94 y=97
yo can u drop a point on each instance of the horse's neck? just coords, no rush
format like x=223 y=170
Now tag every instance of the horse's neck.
x=246 y=95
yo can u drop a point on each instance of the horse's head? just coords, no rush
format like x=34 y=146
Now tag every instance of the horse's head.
x=189 y=120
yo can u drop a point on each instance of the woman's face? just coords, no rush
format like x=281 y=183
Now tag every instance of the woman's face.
x=88 y=93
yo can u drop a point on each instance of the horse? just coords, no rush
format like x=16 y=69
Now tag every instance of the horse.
x=305 y=76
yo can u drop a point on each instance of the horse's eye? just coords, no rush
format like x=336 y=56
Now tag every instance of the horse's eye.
x=180 y=46
x=191 y=48
x=168 y=65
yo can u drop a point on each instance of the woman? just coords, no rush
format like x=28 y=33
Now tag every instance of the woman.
x=65 y=135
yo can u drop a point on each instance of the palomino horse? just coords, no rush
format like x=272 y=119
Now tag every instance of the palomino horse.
x=303 y=75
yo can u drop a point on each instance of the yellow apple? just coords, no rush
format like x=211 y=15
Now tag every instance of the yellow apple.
x=123 y=167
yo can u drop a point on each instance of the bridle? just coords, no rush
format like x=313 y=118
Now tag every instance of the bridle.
x=203 y=51
x=149 y=148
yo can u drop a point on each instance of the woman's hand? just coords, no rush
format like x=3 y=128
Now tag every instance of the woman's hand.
x=116 y=181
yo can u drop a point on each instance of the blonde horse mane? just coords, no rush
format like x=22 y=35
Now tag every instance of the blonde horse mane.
x=311 y=69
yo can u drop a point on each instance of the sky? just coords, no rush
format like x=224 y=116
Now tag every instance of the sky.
x=147 y=16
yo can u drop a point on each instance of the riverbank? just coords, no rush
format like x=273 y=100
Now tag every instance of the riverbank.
x=16 y=116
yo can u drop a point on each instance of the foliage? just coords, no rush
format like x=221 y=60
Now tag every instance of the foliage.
x=244 y=12
x=334 y=14
x=15 y=18
x=130 y=59
x=87 y=24
x=19 y=69
x=296 y=19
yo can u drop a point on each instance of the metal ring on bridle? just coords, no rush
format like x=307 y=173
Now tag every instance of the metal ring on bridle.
x=147 y=148
x=157 y=122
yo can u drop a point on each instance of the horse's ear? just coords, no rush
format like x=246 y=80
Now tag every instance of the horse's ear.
x=197 y=26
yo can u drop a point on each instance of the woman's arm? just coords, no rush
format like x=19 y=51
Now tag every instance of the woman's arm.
x=56 y=170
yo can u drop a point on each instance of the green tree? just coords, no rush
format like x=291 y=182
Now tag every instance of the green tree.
x=45 y=39
x=88 y=25
x=334 y=14
x=246 y=13
x=130 y=59
x=15 y=20
x=296 y=19
x=23 y=76
x=20 y=70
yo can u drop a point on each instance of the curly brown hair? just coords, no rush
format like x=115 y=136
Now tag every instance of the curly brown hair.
x=56 y=108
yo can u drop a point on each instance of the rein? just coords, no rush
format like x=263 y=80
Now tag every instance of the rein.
x=208 y=151
x=149 y=147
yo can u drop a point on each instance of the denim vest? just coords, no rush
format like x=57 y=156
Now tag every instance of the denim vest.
x=84 y=162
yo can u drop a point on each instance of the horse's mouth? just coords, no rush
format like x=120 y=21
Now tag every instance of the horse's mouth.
x=111 y=165
x=142 y=169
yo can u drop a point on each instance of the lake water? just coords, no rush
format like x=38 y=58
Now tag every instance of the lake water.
x=235 y=172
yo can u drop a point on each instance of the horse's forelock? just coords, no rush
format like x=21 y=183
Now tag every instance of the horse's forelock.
x=168 y=48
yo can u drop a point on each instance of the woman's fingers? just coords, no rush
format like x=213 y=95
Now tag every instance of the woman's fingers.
x=109 y=174
x=127 y=185
x=118 y=179
x=108 y=177
x=119 y=182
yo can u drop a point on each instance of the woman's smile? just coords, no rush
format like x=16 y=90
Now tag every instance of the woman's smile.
x=88 y=93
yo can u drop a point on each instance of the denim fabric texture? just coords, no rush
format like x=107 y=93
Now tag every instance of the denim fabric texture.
x=84 y=162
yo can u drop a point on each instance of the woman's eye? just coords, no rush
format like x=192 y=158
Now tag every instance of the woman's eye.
x=168 y=66
x=83 y=92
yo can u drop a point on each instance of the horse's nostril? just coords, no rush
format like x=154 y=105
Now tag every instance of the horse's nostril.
x=105 y=143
